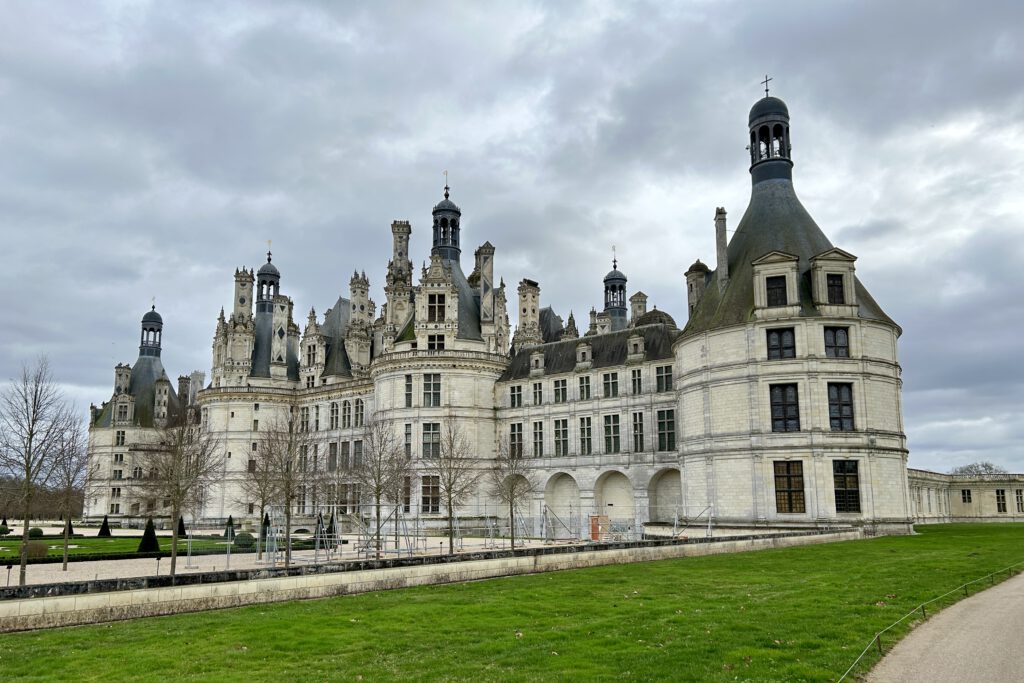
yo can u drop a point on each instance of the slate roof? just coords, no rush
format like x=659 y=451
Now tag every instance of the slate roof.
x=334 y=328
x=146 y=371
x=607 y=350
x=551 y=327
x=775 y=220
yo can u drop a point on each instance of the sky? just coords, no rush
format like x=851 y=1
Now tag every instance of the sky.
x=148 y=149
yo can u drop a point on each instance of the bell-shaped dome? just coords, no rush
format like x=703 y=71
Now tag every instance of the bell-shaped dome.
x=152 y=316
x=269 y=268
x=768 y=106
x=655 y=317
x=615 y=275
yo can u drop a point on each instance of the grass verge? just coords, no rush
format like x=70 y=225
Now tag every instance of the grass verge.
x=798 y=614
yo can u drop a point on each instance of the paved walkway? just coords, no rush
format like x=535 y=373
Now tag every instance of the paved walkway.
x=980 y=638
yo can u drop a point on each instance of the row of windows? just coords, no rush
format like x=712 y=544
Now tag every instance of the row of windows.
x=782 y=343
x=665 y=430
x=785 y=407
x=609 y=387
x=789 y=486
x=965 y=497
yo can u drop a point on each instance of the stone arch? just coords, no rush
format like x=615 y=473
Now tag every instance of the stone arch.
x=562 y=506
x=613 y=496
x=665 y=495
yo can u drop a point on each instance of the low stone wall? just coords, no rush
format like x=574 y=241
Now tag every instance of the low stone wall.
x=75 y=606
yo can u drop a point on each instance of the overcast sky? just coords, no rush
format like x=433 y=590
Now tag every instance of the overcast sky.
x=149 y=149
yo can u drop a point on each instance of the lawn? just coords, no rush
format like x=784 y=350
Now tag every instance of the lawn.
x=91 y=545
x=781 y=615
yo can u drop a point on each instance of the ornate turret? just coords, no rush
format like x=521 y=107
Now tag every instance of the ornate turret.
x=770 y=149
x=268 y=285
x=152 y=331
x=615 y=297
x=447 y=224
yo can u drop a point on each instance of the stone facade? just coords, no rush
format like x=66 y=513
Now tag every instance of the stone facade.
x=778 y=404
x=939 y=498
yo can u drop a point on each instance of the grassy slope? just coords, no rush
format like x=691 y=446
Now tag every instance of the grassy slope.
x=794 y=614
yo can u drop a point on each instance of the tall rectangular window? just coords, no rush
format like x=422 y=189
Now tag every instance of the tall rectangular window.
x=781 y=343
x=636 y=381
x=408 y=439
x=663 y=375
x=667 y=430
x=407 y=494
x=836 y=295
x=408 y=391
x=538 y=439
x=584 y=388
x=432 y=391
x=515 y=397
x=538 y=393
x=346 y=414
x=357 y=454
x=515 y=440
x=561 y=437
x=837 y=342
x=561 y=390
x=343 y=461
x=586 y=443
x=965 y=495
x=789 y=486
x=119 y=437
x=316 y=419
x=775 y=287
x=785 y=408
x=638 y=432
x=840 y=406
x=611 y=434
x=304 y=419
x=431 y=439
x=611 y=384
x=847 y=485
x=1020 y=500
x=435 y=308
x=333 y=416
x=1000 y=500
x=359 y=413
x=431 y=495
x=332 y=456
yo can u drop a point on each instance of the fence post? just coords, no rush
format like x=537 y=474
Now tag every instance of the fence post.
x=878 y=641
x=924 y=615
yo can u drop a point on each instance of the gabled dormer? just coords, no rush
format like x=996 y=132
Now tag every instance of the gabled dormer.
x=584 y=357
x=776 y=285
x=437 y=307
x=832 y=283
x=635 y=350
x=537 y=363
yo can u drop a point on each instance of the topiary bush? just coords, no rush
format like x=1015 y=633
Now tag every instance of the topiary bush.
x=70 y=529
x=37 y=549
x=4 y=530
x=104 y=529
x=181 y=528
x=149 y=543
x=229 y=529
x=35 y=532
x=244 y=540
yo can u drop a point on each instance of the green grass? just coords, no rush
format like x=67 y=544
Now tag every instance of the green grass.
x=782 y=615
x=103 y=546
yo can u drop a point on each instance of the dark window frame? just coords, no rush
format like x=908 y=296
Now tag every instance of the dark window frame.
x=835 y=285
x=775 y=291
x=785 y=407
x=846 y=483
x=781 y=343
x=837 y=342
x=840 y=407
x=790 y=497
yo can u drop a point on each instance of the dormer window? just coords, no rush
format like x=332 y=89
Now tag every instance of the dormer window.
x=775 y=288
x=836 y=294
x=435 y=308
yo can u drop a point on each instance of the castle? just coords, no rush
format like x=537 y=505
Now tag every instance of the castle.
x=777 y=404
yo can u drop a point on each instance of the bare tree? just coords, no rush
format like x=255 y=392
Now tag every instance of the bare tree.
x=69 y=475
x=285 y=449
x=398 y=488
x=511 y=481
x=258 y=485
x=183 y=460
x=457 y=469
x=382 y=463
x=982 y=467
x=34 y=417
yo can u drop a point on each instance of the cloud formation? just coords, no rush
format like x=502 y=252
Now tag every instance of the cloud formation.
x=149 y=149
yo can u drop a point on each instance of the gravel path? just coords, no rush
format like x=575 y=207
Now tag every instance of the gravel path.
x=980 y=638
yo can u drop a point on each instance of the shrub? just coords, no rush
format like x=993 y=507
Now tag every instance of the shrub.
x=181 y=528
x=104 y=529
x=37 y=549
x=4 y=530
x=301 y=531
x=149 y=544
x=35 y=532
x=244 y=540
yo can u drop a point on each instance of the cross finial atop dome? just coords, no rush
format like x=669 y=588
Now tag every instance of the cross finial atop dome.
x=446 y=188
x=766 y=81
x=615 y=259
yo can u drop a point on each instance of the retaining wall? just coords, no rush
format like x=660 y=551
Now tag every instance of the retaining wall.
x=89 y=608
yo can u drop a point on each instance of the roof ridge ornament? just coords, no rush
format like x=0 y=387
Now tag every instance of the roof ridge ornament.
x=446 y=188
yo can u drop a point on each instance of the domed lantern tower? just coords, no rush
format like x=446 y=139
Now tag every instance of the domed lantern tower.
x=152 y=331
x=268 y=285
x=447 y=224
